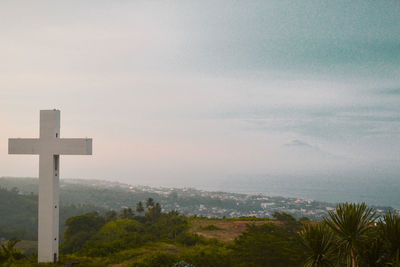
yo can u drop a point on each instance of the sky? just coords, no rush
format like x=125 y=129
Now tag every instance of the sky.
x=194 y=92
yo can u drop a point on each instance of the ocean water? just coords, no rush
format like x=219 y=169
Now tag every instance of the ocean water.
x=378 y=192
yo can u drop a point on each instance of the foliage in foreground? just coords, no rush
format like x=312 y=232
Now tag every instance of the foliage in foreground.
x=8 y=252
x=349 y=236
x=19 y=214
x=163 y=239
x=352 y=236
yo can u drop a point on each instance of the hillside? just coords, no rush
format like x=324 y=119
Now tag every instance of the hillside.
x=224 y=230
x=156 y=239
x=18 y=214
x=161 y=239
x=18 y=205
x=154 y=236
x=188 y=201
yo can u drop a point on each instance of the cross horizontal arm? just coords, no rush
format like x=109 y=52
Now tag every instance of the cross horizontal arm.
x=23 y=146
x=73 y=146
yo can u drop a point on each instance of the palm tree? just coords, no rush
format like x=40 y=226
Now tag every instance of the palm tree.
x=390 y=229
x=372 y=250
x=111 y=215
x=154 y=213
x=149 y=203
x=127 y=213
x=139 y=207
x=318 y=240
x=350 y=222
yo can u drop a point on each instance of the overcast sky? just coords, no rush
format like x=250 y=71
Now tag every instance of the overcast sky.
x=189 y=92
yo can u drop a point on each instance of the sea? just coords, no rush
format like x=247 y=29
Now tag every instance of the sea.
x=384 y=191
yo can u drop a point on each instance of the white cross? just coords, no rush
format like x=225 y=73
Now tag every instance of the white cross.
x=49 y=146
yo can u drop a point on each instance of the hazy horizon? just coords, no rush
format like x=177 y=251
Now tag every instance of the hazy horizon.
x=200 y=93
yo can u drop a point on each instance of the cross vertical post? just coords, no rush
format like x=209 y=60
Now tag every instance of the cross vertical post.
x=49 y=146
x=48 y=232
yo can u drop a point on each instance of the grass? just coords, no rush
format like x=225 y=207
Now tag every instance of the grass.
x=210 y=227
x=28 y=247
x=224 y=230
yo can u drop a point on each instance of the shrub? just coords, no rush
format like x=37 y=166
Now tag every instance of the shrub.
x=210 y=227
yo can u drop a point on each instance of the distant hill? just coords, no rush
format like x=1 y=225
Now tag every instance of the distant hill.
x=18 y=214
x=256 y=230
x=189 y=201
x=18 y=203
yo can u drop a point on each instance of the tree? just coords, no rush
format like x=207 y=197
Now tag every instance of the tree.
x=390 y=230
x=350 y=222
x=207 y=255
x=318 y=240
x=139 y=207
x=126 y=214
x=79 y=230
x=267 y=245
x=9 y=253
x=170 y=225
x=288 y=220
x=149 y=202
x=154 y=213
x=372 y=251
x=173 y=213
x=111 y=215
x=114 y=236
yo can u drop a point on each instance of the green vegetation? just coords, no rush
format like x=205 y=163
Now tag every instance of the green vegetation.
x=163 y=239
x=318 y=241
x=8 y=252
x=210 y=227
x=191 y=202
x=351 y=222
x=350 y=236
x=18 y=214
x=144 y=235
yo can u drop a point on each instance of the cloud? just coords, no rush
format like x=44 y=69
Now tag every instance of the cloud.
x=332 y=38
x=298 y=143
x=388 y=92
x=219 y=85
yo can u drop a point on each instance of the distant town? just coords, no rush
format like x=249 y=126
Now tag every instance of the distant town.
x=109 y=195
x=194 y=202
x=231 y=205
